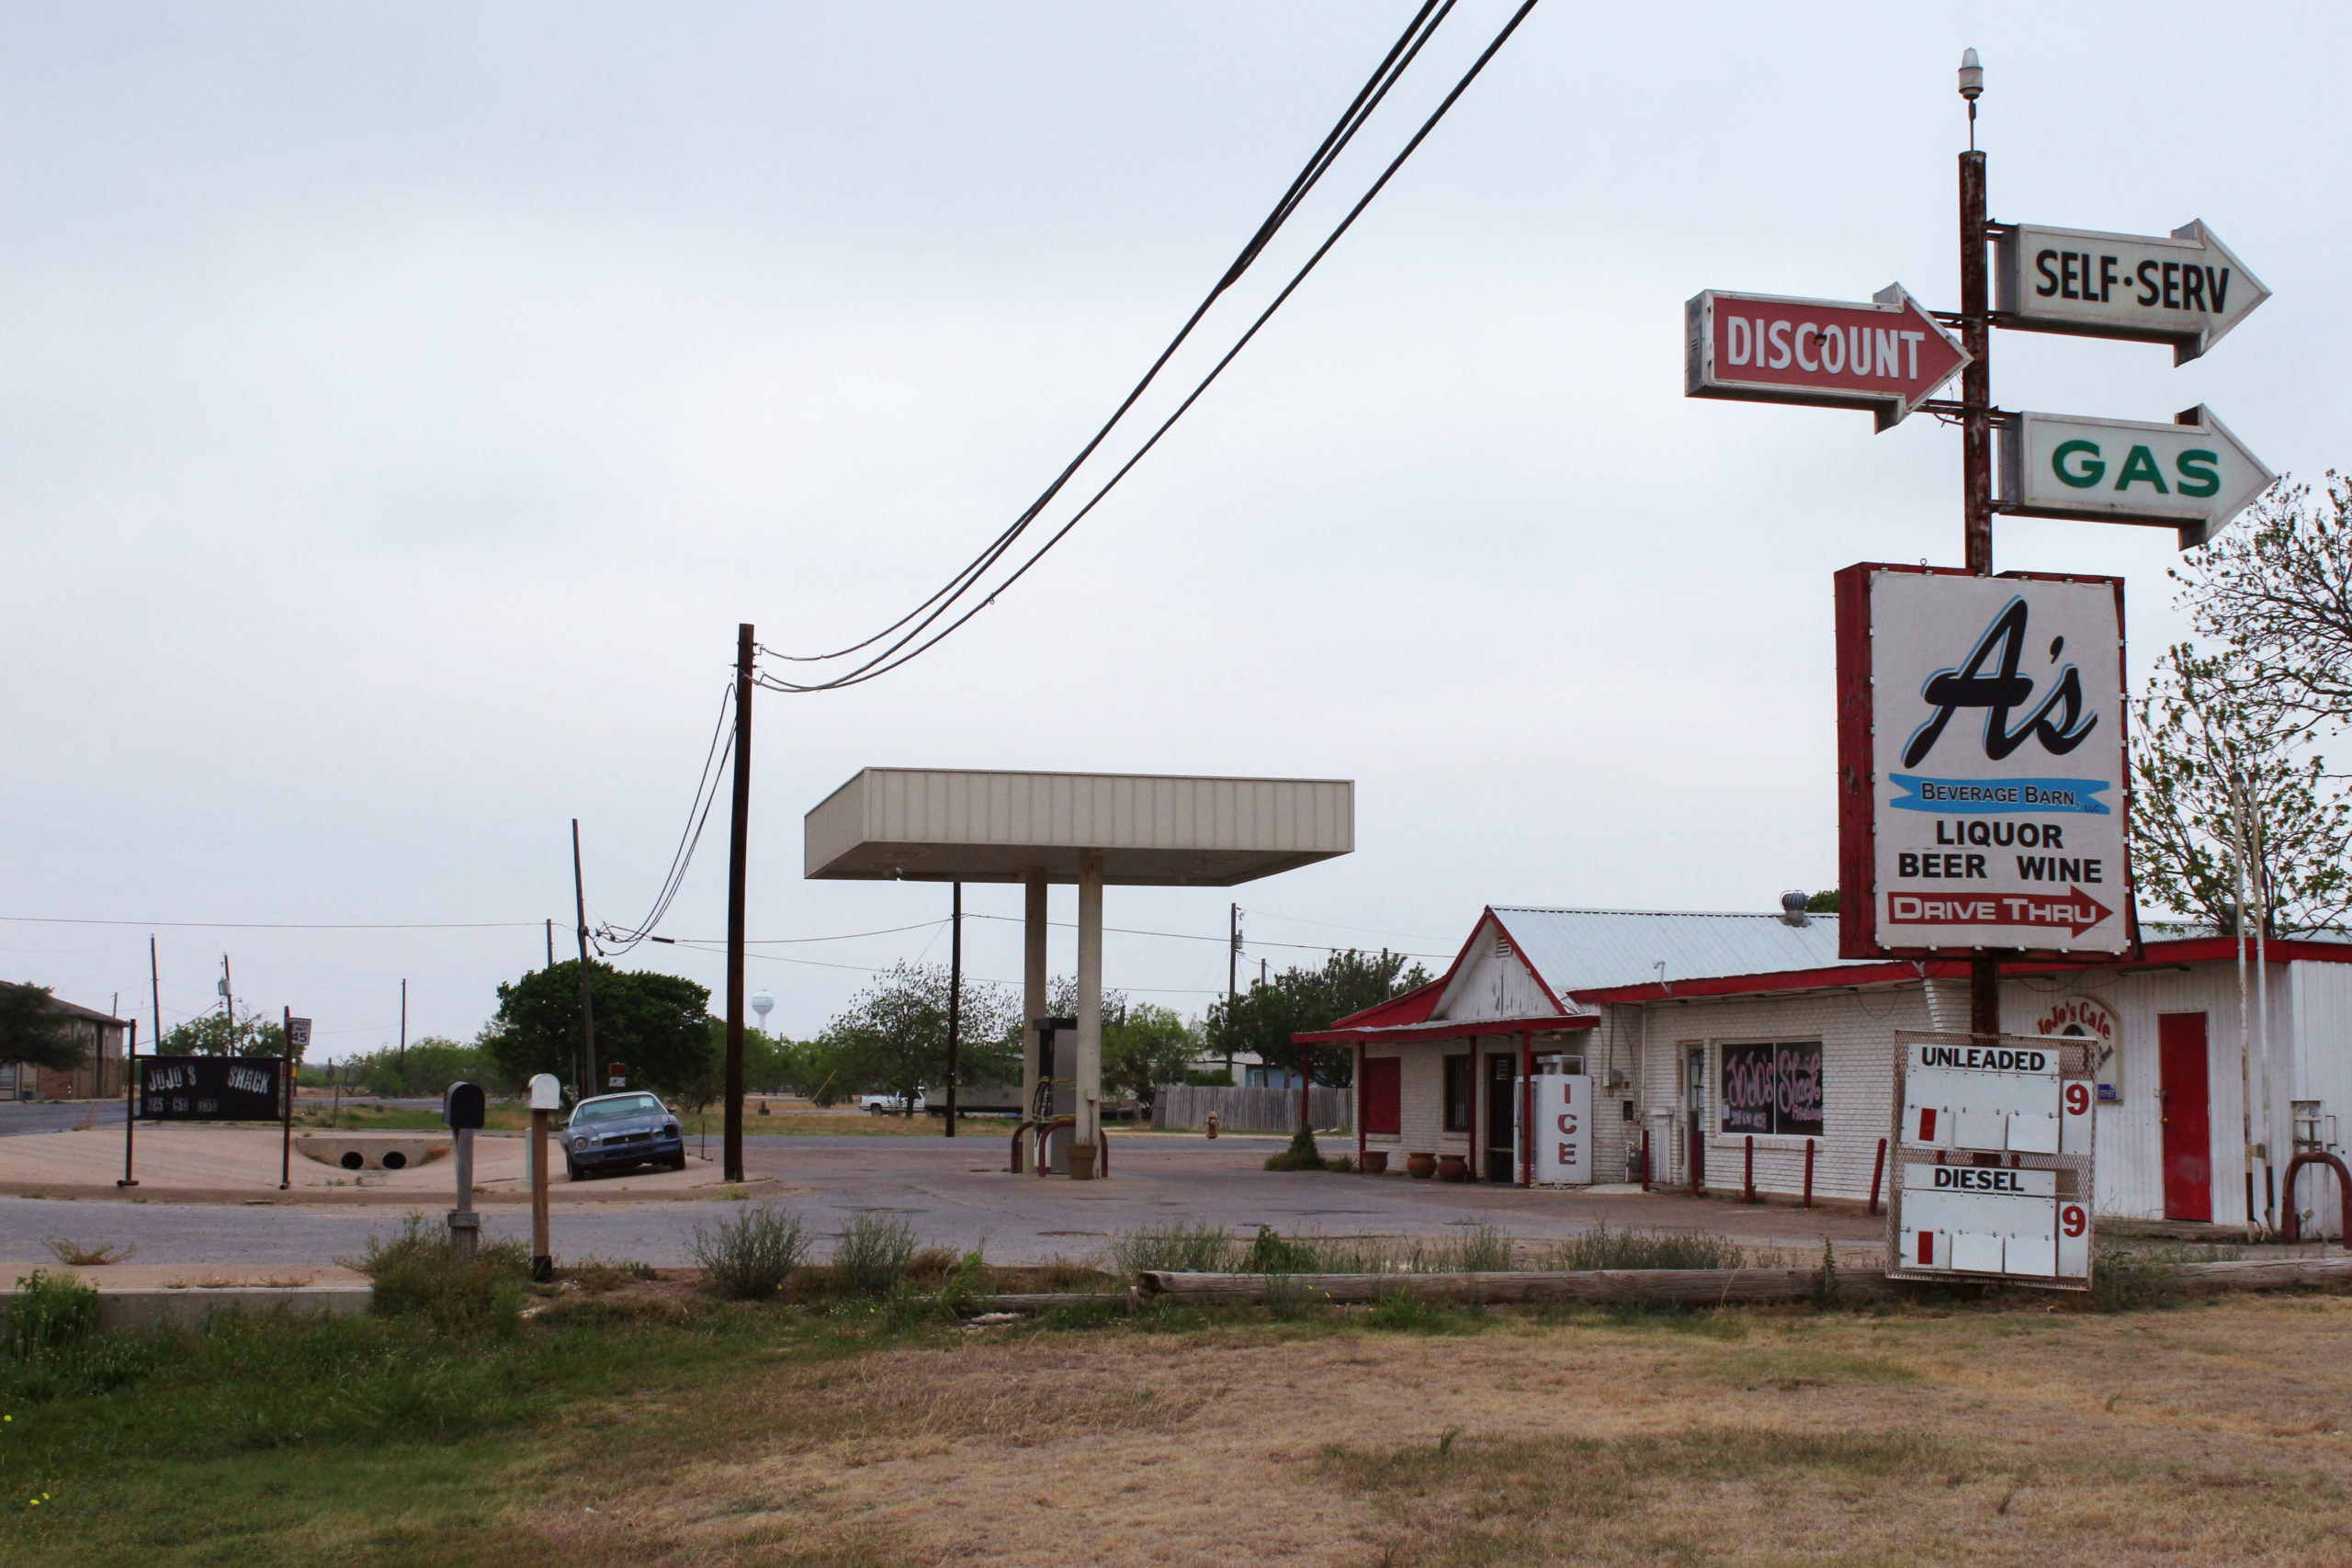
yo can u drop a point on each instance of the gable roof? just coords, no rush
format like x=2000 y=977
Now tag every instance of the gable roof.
x=1580 y=950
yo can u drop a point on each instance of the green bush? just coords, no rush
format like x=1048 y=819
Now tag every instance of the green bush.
x=1181 y=1246
x=418 y=1273
x=54 y=1349
x=1303 y=1154
x=1269 y=1254
x=874 y=1252
x=748 y=1259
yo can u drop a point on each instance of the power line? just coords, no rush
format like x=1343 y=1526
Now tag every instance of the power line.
x=884 y=969
x=1367 y=98
x=714 y=767
x=923 y=639
x=279 y=925
x=1195 y=936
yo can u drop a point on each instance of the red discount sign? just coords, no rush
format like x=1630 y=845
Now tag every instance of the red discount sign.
x=1887 y=356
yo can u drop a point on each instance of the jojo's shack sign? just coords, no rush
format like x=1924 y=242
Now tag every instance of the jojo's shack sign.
x=1981 y=763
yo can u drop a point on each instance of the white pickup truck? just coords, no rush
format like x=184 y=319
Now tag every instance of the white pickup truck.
x=887 y=1104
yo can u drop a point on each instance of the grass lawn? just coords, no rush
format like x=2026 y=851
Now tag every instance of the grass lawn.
x=626 y=1422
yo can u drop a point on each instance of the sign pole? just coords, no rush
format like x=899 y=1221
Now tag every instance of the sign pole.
x=129 y=1101
x=1976 y=473
x=285 y=1144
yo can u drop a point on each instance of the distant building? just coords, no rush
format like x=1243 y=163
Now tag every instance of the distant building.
x=99 y=1076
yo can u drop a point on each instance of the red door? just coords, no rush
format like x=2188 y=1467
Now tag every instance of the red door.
x=2183 y=1109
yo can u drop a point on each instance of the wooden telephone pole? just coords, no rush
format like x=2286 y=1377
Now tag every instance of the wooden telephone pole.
x=587 y=1000
x=737 y=855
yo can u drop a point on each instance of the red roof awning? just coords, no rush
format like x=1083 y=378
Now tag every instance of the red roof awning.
x=1343 y=1033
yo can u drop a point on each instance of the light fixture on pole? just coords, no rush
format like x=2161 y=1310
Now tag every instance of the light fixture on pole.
x=1971 y=87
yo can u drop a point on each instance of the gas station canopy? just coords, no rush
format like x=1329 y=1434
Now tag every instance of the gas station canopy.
x=952 y=824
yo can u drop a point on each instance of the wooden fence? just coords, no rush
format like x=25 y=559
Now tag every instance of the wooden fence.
x=1253 y=1110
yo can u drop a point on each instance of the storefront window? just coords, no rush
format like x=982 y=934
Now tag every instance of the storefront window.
x=1772 y=1089
x=1457 y=1094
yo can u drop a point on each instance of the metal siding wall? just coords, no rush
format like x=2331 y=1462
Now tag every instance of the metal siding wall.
x=2322 y=1001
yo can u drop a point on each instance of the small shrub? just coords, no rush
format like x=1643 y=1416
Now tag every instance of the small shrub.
x=874 y=1252
x=597 y=1275
x=1405 y=1314
x=1181 y=1246
x=54 y=1349
x=1269 y=1254
x=749 y=1258
x=1303 y=1154
x=419 y=1273
x=74 y=1254
x=1486 y=1250
x=1602 y=1248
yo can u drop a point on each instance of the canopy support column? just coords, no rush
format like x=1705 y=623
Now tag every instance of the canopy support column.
x=1032 y=981
x=1088 y=1132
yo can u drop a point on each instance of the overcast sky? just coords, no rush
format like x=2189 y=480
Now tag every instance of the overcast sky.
x=402 y=404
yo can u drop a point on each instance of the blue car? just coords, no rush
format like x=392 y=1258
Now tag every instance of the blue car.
x=615 y=1131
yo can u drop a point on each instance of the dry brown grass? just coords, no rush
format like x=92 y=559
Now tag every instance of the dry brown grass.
x=2205 y=1434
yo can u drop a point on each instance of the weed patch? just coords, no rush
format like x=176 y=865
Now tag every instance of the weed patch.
x=749 y=1258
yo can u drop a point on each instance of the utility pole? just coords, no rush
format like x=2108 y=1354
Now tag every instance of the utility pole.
x=155 y=991
x=1976 y=455
x=954 y=997
x=738 y=858
x=587 y=1000
x=550 y=944
x=403 y=1027
x=228 y=1006
x=1232 y=987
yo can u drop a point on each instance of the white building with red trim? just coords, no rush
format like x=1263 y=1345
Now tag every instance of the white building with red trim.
x=1701 y=1032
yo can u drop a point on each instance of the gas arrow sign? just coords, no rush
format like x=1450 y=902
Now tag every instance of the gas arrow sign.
x=1888 y=355
x=2188 y=291
x=2191 y=474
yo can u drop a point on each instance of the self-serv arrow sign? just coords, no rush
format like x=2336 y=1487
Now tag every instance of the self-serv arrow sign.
x=2191 y=474
x=2188 y=291
x=1888 y=355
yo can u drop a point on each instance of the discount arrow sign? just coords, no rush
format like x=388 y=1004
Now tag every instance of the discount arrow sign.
x=1888 y=355
x=2191 y=474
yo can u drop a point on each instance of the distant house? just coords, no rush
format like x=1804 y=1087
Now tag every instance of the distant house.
x=99 y=1076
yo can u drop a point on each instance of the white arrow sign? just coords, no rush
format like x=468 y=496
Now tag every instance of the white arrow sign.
x=2188 y=291
x=2191 y=474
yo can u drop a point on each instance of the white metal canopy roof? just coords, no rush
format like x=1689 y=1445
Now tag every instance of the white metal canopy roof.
x=952 y=824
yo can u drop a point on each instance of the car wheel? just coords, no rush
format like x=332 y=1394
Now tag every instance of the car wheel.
x=572 y=1171
x=677 y=1161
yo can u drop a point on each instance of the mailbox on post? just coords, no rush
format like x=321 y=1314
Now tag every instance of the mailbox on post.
x=462 y=1108
x=545 y=1096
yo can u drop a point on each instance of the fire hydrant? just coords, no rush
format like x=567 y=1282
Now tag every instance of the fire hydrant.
x=1212 y=1121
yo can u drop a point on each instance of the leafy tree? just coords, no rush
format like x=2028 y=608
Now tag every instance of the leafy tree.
x=1297 y=1001
x=431 y=1066
x=2222 y=777
x=893 y=1035
x=215 y=1034
x=1822 y=903
x=2276 y=594
x=1146 y=1046
x=34 y=1033
x=659 y=1025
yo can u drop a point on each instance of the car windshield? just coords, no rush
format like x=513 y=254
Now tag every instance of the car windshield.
x=617 y=1107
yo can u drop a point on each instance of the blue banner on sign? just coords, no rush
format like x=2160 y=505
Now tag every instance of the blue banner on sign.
x=1958 y=797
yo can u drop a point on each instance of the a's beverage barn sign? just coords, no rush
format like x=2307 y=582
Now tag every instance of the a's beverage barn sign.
x=1981 y=763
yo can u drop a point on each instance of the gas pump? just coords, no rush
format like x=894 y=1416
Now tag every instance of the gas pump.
x=1054 y=1113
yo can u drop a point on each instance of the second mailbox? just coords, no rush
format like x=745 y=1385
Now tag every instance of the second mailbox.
x=462 y=1106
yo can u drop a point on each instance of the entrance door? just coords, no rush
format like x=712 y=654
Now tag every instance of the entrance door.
x=1502 y=1117
x=2184 y=1113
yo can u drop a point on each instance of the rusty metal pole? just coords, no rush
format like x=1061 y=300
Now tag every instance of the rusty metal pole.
x=954 y=999
x=737 y=857
x=1976 y=477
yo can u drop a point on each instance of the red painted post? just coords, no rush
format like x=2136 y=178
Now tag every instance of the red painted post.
x=1359 y=1101
x=1878 y=1169
x=1645 y=1159
x=1748 y=1182
x=1808 y=1173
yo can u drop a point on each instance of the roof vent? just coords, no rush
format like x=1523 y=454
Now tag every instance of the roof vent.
x=1792 y=905
x=1502 y=943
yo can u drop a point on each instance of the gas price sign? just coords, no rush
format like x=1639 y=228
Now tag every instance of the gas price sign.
x=1993 y=1142
x=1981 y=763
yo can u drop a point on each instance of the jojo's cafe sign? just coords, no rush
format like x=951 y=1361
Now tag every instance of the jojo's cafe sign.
x=1981 y=763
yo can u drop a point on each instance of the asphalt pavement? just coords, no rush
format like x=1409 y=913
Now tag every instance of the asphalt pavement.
x=21 y=1116
x=956 y=1194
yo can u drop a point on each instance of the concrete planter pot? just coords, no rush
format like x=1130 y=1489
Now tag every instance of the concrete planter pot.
x=1453 y=1168
x=1420 y=1166
x=1373 y=1162
x=1081 y=1162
